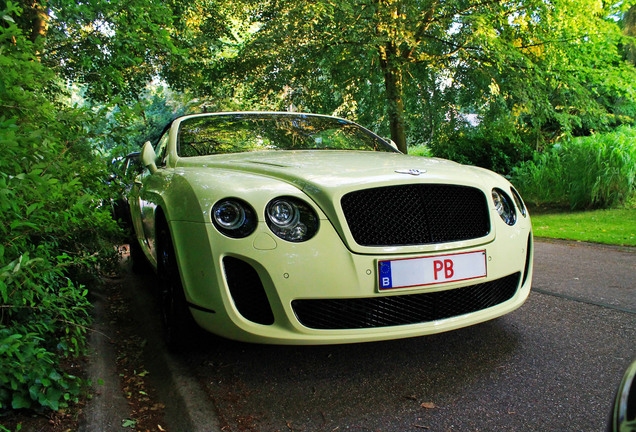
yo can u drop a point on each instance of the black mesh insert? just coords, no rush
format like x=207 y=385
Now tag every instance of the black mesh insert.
x=403 y=309
x=416 y=214
x=247 y=291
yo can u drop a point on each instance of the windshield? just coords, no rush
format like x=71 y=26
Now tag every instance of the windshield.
x=247 y=132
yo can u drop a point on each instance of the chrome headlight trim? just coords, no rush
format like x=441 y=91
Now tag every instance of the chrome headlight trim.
x=291 y=219
x=233 y=217
x=505 y=206
x=520 y=205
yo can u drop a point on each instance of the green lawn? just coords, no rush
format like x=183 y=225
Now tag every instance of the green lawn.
x=614 y=226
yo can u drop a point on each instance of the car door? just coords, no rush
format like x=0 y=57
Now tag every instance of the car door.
x=143 y=200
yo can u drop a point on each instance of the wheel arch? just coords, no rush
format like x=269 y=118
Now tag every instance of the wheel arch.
x=161 y=221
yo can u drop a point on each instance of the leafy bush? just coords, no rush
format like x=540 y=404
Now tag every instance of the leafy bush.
x=53 y=228
x=480 y=147
x=30 y=377
x=598 y=171
x=420 y=150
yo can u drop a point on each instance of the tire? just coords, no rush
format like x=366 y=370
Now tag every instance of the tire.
x=178 y=325
x=140 y=264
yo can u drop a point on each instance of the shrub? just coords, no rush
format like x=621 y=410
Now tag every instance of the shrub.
x=474 y=146
x=420 y=150
x=29 y=376
x=598 y=171
x=53 y=227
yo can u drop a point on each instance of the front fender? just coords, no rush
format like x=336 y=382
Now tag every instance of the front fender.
x=188 y=194
x=160 y=193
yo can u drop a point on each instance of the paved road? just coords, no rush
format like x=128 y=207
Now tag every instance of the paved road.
x=552 y=365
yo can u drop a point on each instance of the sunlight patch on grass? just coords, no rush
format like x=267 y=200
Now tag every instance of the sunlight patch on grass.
x=614 y=226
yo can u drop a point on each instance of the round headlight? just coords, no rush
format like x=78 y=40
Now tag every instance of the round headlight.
x=234 y=218
x=520 y=205
x=229 y=215
x=283 y=213
x=291 y=219
x=504 y=206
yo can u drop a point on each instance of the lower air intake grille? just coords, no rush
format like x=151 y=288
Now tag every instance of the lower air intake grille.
x=247 y=291
x=386 y=311
x=416 y=214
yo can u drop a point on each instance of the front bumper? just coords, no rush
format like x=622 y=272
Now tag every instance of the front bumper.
x=324 y=270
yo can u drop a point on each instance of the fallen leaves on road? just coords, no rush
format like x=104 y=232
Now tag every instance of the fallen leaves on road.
x=145 y=413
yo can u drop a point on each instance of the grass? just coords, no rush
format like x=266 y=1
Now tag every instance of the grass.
x=613 y=226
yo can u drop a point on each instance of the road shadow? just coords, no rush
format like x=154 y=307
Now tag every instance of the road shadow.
x=264 y=387
x=258 y=387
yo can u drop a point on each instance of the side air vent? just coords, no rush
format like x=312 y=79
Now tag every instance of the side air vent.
x=526 y=268
x=247 y=291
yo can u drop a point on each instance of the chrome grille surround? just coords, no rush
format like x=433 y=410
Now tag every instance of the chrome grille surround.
x=416 y=214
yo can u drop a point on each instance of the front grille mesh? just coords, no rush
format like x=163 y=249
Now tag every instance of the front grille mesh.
x=416 y=214
x=357 y=313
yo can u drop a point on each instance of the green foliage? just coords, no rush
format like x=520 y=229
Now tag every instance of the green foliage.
x=589 y=172
x=29 y=377
x=124 y=128
x=53 y=226
x=475 y=146
x=114 y=48
x=532 y=71
x=420 y=150
x=110 y=47
x=568 y=76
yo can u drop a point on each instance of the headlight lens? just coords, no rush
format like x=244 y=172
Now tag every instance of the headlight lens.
x=520 y=205
x=283 y=213
x=234 y=217
x=504 y=206
x=291 y=219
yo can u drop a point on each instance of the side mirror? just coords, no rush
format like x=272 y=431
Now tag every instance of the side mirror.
x=623 y=414
x=148 y=157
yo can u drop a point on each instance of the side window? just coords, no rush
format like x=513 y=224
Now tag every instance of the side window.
x=161 y=149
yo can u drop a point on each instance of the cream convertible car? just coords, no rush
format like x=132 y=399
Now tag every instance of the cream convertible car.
x=306 y=229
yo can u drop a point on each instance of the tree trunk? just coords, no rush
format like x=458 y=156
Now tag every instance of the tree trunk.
x=37 y=19
x=630 y=30
x=394 y=95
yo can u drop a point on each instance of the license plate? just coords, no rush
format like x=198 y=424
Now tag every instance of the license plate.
x=412 y=272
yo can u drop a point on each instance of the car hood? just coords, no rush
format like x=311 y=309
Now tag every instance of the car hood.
x=331 y=172
x=325 y=176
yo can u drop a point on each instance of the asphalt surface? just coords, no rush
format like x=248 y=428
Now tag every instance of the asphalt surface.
x=552 y=365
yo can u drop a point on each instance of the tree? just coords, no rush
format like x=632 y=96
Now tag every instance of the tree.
x=421 y=65
x=115 y=48
x=361 y=49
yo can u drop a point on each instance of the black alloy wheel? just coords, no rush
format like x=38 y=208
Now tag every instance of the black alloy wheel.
x=178 y=324
x=140 y=264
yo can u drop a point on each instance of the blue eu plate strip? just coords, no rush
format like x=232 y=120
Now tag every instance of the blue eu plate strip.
x=386 y=281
